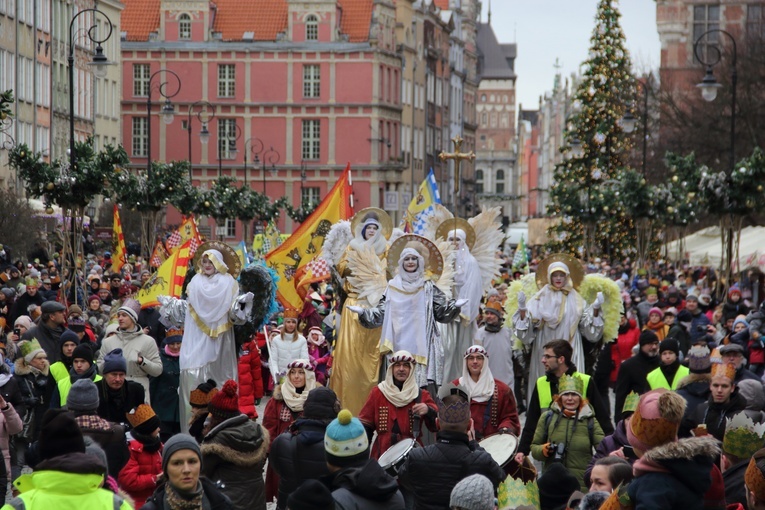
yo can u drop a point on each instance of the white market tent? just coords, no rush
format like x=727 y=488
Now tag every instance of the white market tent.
x=704 y=248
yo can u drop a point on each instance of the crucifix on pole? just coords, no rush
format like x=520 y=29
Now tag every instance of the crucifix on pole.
x=458 y=156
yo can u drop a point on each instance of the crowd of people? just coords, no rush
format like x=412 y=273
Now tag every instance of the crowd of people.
x=403 y=383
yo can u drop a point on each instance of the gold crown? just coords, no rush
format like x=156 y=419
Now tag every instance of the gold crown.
x=753 y=477
x=291 y=313
x=742 y=437
x=630 y=402
x=513 y=493
x=724 y=370
x=569 y=384
x=140 y=414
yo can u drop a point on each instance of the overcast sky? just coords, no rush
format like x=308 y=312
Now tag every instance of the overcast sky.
x=548 y=29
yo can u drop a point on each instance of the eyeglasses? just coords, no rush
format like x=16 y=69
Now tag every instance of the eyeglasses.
x=549 y=356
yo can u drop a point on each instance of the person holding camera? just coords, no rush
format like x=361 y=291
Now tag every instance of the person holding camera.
x=568 y=431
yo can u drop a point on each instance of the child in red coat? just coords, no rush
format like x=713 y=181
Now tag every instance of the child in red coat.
x=139 y=476
x=250 y=378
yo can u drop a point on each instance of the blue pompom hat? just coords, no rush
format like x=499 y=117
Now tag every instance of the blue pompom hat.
x=345 y=441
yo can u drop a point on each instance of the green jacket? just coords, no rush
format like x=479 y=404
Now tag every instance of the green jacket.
x=560 y=429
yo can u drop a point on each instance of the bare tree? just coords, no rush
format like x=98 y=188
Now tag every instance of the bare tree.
x=21 y=229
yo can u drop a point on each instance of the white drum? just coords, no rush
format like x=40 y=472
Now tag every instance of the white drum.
x=394 y=456
x=501 y=447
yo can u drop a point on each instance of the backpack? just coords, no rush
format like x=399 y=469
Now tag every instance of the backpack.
x=590 y=427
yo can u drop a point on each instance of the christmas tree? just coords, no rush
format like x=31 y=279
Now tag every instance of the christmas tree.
x=585 y=193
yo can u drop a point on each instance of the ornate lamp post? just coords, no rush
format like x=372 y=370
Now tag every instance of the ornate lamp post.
x=253 y=143
x=204 y=116
x=167 y=112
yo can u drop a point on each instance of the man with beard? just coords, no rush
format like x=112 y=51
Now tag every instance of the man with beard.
x=633 y=372
x=24 y=301
x=49 y=330
x=498 y=342
x=670 y=372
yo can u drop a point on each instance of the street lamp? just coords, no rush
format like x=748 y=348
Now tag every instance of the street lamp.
x=98 y=63
x=269 y=156
x=167 y=112
x=253 y=143
x=204 y=116
x=629 y=121
x=303 y=178
x=231 y=150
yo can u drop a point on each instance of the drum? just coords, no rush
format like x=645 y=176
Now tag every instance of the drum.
x=394 y=456
x=501 y=447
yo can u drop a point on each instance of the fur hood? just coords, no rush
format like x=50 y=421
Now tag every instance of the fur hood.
x=694 y=378
x=21 y=368
x=688 y=448
x=230 y=438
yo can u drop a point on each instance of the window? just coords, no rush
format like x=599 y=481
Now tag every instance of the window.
x=499 y=184
x=311 y=28
x=484 y=119
x=141 y=74
x=226 y=138
x=311 y=139
x=184 y=26
x=311 y=81
x=483 y=98
x=311 y=195
x=226 y=80
x=705 y=18
x=140 y=139
x=755 y=21
x=230 y=227
x=479 y=181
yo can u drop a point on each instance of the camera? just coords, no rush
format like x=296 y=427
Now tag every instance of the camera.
x=559 y=450
x=17 y=331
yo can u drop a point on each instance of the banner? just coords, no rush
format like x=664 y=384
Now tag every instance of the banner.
x=168 y=280
x=119 y=252
x=241 y=251
x=521 y=258
x=186 y=232
x=159 y=254
x=421 y=205
x=290 y=259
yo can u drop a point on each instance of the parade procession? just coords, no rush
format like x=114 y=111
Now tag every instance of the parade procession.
x=382 y=260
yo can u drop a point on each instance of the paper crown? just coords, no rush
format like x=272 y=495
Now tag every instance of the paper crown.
x=291 y=313
x=755 y=481
x=495 y=308
x=140 y=414
x=630 y=402
x=570 y=384
x=724 y=370
x=514 y=494
x=618 y=500
x=742 y=436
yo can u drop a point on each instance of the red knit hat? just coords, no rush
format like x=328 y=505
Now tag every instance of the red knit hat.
x=225 y=403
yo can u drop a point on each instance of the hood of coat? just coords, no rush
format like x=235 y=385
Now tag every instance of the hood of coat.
x=689 y=460
x=368 y=481
x=21 y=368
x=237 y=440
x=694 y=381
x=753 y=392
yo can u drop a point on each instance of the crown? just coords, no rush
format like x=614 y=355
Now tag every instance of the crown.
x=570 y=384
x=724 y=370
x=140 y=414
x=456 y=412
x=753 y=477
x=742 y=437
x=291 y=313
x=630 y=402
x=513 y=493
x=618 y=500
x=494 y=307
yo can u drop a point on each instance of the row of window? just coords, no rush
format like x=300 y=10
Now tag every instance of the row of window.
x=29 y=72
x=499 y=182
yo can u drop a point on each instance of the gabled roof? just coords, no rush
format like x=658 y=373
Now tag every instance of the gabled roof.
x=139 y=19
x=355 y=19
x=493 y=57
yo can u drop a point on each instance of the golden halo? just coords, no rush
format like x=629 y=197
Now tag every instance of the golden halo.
x=434 y=265
x=457 y=223
x=385 y=222
x=575 y=268
x=229 y=257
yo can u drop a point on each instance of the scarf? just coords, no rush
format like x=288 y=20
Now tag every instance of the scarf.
x=167 y=351
x=90 y=373
x=493 y=328
x=481 y=390
x=296 y=399
x=670 y=370
x=175 y=499
x=399 y=397
x=655 y=327
x=405 y=281
x=149 y=442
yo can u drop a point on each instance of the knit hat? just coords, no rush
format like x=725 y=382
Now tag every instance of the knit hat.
x=132 y=308
x=669 y=344
x=320 y=404
x=114 y=362
x=176 y=443
x=656 y=419
x=698 y=360
x=23 y=320
x=741 y=319
x=556 y=486
x=173 y=335
x=83 y=396
x=225 y=403
x=74 y=310
x=111 y=329
x=593 y=500
x=651 y=291
x=670 y=311
x=648 y=337
x=29 y=349
x=69 y=336
x=59 y=435
x=692 y=297
x=94 y=297
x=656 y=310
x=473 y=493
x=200 y=397
x=94 y=449
x=311 y=495
x=76 y=324
x=345 y=441
x=83 y=351
x=143 y=419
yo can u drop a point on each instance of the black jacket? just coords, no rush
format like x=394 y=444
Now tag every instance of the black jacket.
x=218 y=500
x=733 y=478
x=632 y=377
x=694 y=388
x=48 y=338
x=366 y=487
x=430 y=473
x=297 y=455
x=113 y=406
x=714 y=415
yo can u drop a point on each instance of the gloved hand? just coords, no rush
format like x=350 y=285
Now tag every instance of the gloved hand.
x=599 y=300
x=547 y=449
x=355 y=309
x=460 y=303
x=521 y=300
x=164 y=300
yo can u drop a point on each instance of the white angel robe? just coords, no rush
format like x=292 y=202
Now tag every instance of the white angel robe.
x=499 y=346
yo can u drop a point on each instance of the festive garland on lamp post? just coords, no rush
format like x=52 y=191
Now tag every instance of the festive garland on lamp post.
x=304 y=211
x=222 y=201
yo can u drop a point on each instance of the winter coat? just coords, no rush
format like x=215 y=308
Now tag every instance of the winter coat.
x=574 y=433
x=753 y=393
x=632 y=377
x=139 y=475
x=114 y=405
x=67 y=481
x=733 y=478
x=694 y=388
x=218 y=500
x=430 y=473
x=164 y=389
x=674 y=475
x=298 y=455
x=233 y=456
x=621 y=350
x=35 y=388
x=683 y=338
x=109 y=436
x=10 y=424
x=250 y=378
x=699 y=319
x=714 y=415
x=132 y=344
x=285 y=351
x=610 y=443
x=48 y=338
x=366 y=487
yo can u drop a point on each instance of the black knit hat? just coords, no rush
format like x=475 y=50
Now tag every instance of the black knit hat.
x=556 y=486
x=311 y=495
x=321 y=404
x=83 y=351
x=648 y=337
x=59 y=435
x=669 y=344
x=69 y=336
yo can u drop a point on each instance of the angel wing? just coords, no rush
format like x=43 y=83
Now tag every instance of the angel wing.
x=440 y=214
x=336 y=242
x=612 y=307
x=488 y=238
x=367 y=274
x=527 y=284
x=446 y=282
x=397 y=232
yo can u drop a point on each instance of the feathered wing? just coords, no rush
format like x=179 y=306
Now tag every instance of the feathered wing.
x=440 y=214
x=612 y=307
x=397 y=232
x=336 y=242
x=488 y=238
x=527 y=284
x=367 y=274
x=446 y=282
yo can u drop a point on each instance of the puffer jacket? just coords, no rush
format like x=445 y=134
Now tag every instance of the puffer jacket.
x=610 y=443
x=694 y=388
x=674 y=475
x=132 y=344
x=367 y=487
x=10 y=424
x=431 y=472
x=233 y=456
x=621 y=349
x=574 y=433
x=284 y=351
x=218 y=500
x=298 y=455
x=35 y=387
x=138 y=477
x=250 y=378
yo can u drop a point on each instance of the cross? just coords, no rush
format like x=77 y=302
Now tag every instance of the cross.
x=457 y=156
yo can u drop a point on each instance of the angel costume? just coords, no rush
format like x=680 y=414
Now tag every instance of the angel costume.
x=408 y=300
x=556 y=314
x=356 y=363
x=468 y=284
